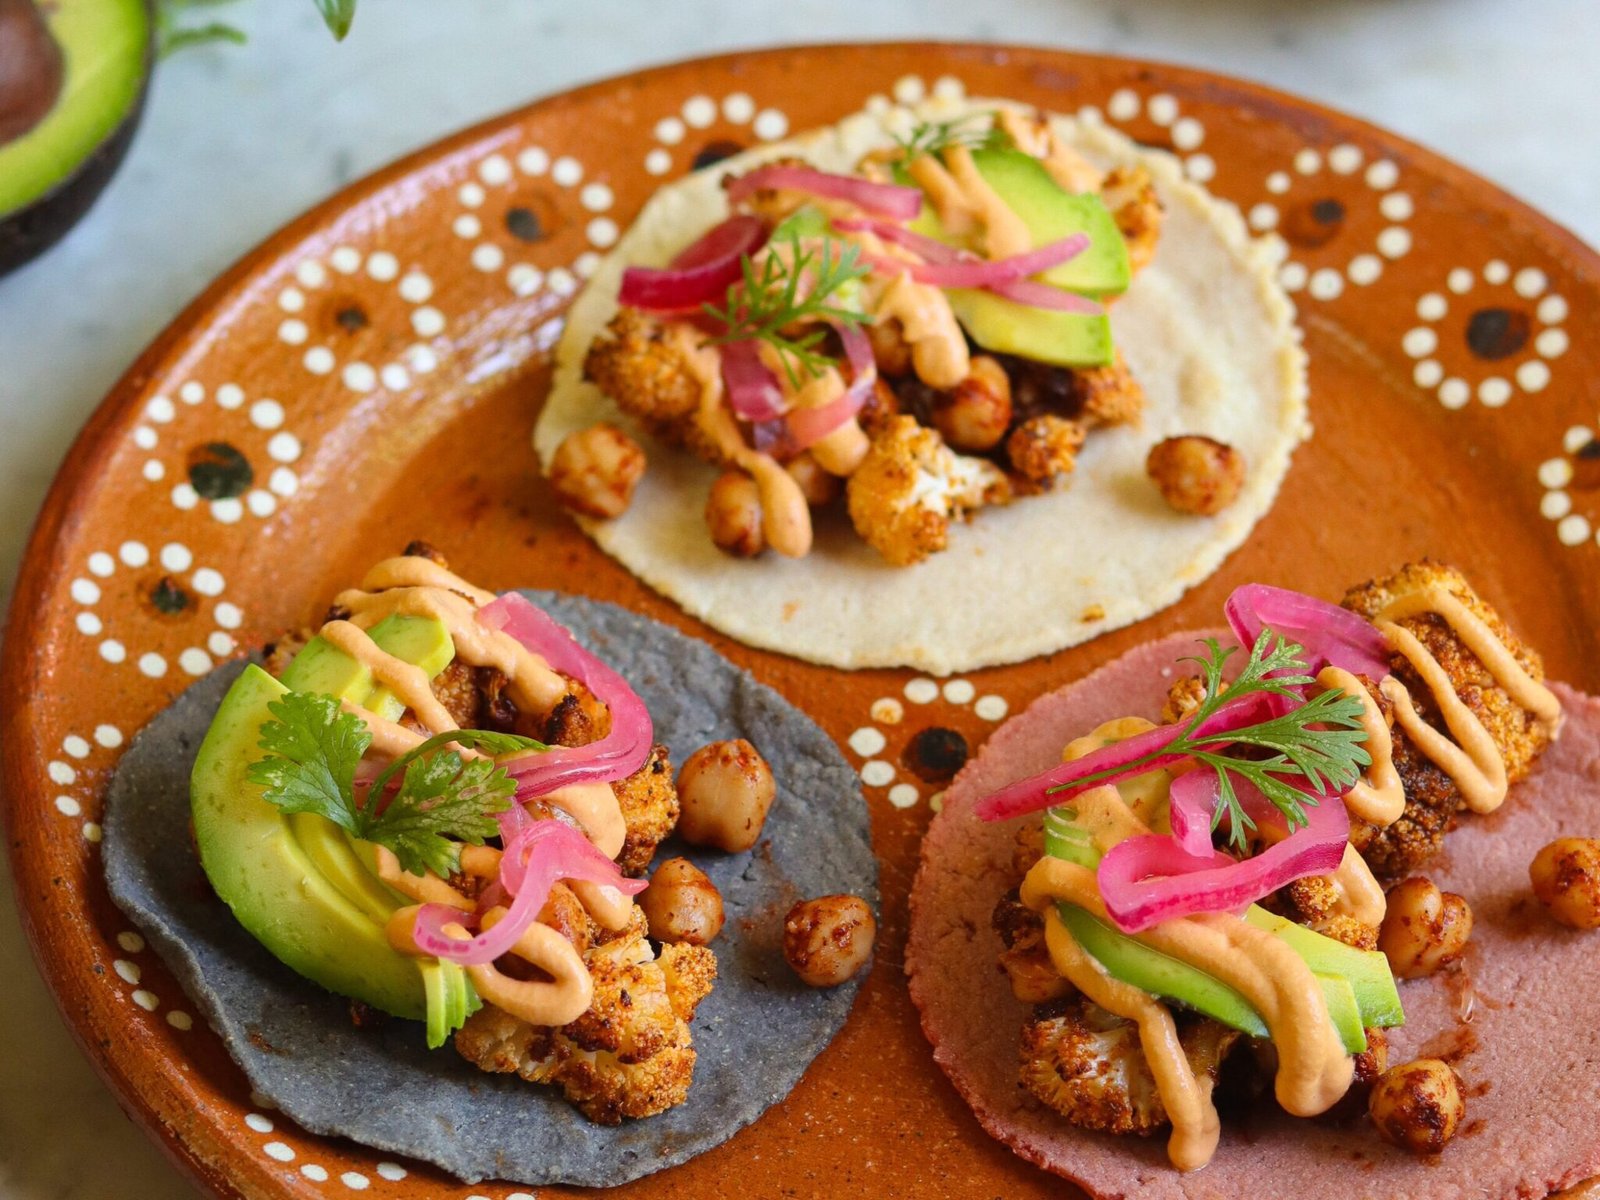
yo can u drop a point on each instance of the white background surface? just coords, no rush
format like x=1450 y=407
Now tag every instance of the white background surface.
x=237 y=140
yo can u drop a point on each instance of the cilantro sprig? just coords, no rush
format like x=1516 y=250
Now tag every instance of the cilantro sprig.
x=313 y=748
x=767 y=302
x=935 y=137
x=1318 y=743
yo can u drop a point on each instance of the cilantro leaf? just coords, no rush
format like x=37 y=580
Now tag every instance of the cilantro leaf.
x=443 y=801
x=313 y=748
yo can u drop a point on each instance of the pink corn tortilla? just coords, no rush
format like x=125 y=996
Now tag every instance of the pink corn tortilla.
x=1530 y=1056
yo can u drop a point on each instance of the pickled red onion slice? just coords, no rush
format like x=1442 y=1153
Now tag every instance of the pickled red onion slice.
x=617 y=755
x=885 y=199
x=753 y=392
x=810 y=425
x=542 y=853
x=698 y=275
x=1330 y=635
x=1147 y=880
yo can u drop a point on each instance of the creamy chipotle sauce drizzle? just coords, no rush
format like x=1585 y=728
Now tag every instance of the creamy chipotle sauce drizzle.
x=418 y=587
x=1472 y=760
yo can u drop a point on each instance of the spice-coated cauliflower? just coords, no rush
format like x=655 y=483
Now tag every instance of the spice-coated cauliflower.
x=910 y=485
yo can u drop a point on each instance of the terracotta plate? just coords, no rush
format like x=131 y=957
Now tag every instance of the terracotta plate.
x=371 y=374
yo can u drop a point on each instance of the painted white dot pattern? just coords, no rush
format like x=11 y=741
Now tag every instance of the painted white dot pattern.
x=180 y=1020
x=567 y=171
x=534 y=161
x=867 y=741
x=876 y=773
x=888 y=711
x=108 y=736
x=959 y=691
x=770 y=124
x=61 y=773
x=258 y=1122
x=355 y=1181
x=658 y=161
x=904 y=795
x=921 y=691
x=315 y=1173
x=280 y=1151
x=146 y=1000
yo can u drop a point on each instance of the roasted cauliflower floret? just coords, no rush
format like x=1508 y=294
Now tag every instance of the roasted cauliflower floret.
x=910 y=485
x=630 y=1054
x=1131 y=196
x=1088 y=1065
x=649 y=802
x=1517 y=734
x=1108 y=395
x=648 y=373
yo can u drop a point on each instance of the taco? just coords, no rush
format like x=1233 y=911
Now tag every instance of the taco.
x=801 y=369
x=1172 y=990
x=438 y=808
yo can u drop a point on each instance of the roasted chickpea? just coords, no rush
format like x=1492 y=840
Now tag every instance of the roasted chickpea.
x=1372 y=1062
x=595 y=470
x=1196 y=474
x=733 y=514
x=1566 y=878
x=725 y=790
x=889 y=347
x=1417 y=1106
x=1424 y=928
x=816 y=485
x=829 y=939
x=976 y=413
x=682 y=904
x=882 y=406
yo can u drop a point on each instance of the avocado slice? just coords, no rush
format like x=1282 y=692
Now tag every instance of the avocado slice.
x=1367 y=971
x=72 y=82
x=1050 y=213
x=297 y=881
x=322 y=667
x=1130 y=960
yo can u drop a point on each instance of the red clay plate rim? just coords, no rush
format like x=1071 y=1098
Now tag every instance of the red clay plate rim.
x=93 y=444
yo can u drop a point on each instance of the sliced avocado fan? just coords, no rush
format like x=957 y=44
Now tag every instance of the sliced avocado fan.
x=298 y=882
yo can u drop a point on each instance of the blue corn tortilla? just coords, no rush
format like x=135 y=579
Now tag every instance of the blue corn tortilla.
x=382 y=1087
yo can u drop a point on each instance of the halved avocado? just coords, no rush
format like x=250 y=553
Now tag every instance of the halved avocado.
x=72 y=85
x=297 y=881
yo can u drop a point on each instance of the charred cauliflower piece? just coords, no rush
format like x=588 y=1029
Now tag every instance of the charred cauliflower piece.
x=910 y=485
x=1432 y=799
x=1042 y=449
x=1131 y=196
x=649 y=802
x=1087 y=1064
x=1516 y=732
x=649 y=374
x=630 y=1054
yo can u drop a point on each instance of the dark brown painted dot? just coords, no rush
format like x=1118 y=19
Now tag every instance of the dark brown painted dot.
x=168 y=597
x=219 y=472
x=935 y=754
x=1497 y=332
x=524 y=224
x=715 y=152
x=352 y=318
x=1315 y=222
x=1586 y=467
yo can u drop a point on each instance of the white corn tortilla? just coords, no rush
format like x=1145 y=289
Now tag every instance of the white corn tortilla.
x=1206 y=330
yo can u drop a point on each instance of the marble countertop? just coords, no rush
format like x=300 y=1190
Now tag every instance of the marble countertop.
x=237 y=140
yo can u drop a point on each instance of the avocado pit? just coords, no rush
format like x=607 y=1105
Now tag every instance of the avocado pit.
x=32 y=68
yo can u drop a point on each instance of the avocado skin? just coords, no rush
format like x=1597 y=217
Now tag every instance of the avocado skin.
x=31 y=230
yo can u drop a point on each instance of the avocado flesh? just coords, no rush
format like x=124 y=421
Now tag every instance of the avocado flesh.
x=1357 y=984
x=323 y=668
x=105 y=47
x=296 y=881
x=1050 y=213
